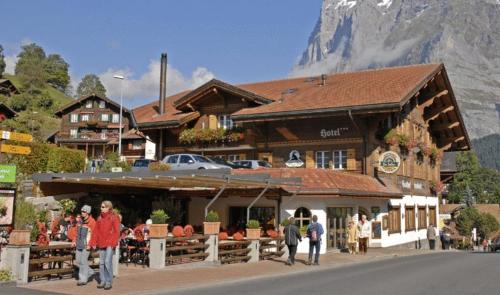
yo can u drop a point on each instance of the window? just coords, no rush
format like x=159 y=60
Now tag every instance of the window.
x=202 y=159
x=409 y=218
x=422 y=218
x=74 y=118
x=185 y=159
x=88 y=104
x=225 y=122
x=302 y=216
x=104 y=133
x=115 y=118
x=137 y=144
x=323 y=159
x=340 y=159
x=73 y=133
x=264 y=164
x=102 y=104
x=172 y=159
x=105 y=117
x=232 y=158
x=432 y=216
x=85 y=117
x=394 y=220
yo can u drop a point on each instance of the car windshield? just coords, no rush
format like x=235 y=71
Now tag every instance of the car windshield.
x=264 y=164
x=141 y=163
x=202 y=159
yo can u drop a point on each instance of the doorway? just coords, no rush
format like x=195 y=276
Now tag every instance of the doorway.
x=337 y=220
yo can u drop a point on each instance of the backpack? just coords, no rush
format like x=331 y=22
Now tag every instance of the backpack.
x=314 y=233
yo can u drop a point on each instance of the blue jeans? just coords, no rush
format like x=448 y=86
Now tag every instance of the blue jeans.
x=82 y=261
x=314 y=245
x=106 y=265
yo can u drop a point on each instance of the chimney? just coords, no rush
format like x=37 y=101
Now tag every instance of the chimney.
x=323 y=80
x=163 y=82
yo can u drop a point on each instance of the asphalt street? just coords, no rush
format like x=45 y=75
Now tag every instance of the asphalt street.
x=437 y=274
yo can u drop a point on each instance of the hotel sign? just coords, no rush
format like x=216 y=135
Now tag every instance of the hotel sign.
x=294 y=161
x=389 y=162
x=325 y=133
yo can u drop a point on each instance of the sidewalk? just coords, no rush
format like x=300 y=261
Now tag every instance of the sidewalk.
x=138 y=280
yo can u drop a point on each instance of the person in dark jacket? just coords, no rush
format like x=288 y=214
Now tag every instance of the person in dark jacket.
x=105 y=237
x=83 y=234
x=292 y=234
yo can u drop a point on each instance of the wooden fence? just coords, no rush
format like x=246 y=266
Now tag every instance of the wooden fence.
x=234 y=251
x=185 y=250
x=271 y=248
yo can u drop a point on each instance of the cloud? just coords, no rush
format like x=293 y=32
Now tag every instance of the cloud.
x=148 y=84
x=11 y=59
x=10 y=63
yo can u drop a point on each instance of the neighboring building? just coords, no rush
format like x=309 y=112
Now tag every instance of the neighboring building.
x=336 y=122
x=91 y=124
x=7 y=88
x=6 y=112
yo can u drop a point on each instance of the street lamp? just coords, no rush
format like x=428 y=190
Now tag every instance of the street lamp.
x=121 y=78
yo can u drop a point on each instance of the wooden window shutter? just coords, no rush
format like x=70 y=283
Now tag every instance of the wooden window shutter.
x=310 y=159
x=212 y=122
x=243 y=156
x=351 y=159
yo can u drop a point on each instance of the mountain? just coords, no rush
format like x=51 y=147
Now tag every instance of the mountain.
x=464 y=35
x=488 y=149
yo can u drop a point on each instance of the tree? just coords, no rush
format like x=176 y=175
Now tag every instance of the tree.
x=90 y=84
x=474 y=181
x=467 y=220
x=30 y=67
x=2 y=61
x=57 y=72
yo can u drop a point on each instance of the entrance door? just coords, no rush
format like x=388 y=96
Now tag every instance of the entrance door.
x=338 y=218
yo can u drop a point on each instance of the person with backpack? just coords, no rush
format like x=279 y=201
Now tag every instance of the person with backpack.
x=83 y=234
x=364 y=234
x=292 y=234
x=314 y=232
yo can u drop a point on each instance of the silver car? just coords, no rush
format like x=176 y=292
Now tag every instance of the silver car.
x=191 y=161
x=252 y=164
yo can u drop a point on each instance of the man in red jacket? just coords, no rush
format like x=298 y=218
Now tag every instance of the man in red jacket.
x=105 y=237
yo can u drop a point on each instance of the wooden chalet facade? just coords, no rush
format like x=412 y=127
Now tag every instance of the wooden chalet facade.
x=91 y=123
x=342 y=123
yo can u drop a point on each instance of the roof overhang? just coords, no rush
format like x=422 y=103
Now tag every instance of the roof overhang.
x=169 y=123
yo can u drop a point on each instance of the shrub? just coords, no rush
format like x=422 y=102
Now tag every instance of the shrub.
x=252 y=224
x=159 y=166
x=159 y=217
x=68 y=205
x=391 y=137
x=212 y=216
x=25 y=216
x=113 y=160
x=403 y=139
x=5 y=275
x=62 y=159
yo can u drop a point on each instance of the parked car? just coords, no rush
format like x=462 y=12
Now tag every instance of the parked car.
x=191 y=161
x=141 y=165
x=495 y=244
x=252 y=164
x=222 y=161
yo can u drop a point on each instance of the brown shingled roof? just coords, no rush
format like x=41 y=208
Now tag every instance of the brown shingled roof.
x=323 y=181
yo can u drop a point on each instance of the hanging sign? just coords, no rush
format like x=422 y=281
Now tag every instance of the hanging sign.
x=150 y=150
x=7 y=173
x=389 y=162
x=15 y=149
x=17 y=136
x=294 y=161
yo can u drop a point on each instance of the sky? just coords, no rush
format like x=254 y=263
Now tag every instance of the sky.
x=235 y=41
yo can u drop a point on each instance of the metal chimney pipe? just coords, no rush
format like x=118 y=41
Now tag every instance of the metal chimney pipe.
x=163 y=82
x=323 y=79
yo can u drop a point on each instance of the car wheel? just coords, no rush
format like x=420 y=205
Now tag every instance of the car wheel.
x=201 y=168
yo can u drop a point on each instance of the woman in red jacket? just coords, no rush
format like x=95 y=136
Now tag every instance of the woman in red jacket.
x=105 y=237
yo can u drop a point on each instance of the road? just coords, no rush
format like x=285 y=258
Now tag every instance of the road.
x=441 y=273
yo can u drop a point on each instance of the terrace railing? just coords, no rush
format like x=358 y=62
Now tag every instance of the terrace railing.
x=234 y=251
x=185 y=249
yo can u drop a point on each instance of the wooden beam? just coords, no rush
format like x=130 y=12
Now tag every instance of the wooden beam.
x=427 y=101
x=445 y=126
x=448 y=143
x=436 y=113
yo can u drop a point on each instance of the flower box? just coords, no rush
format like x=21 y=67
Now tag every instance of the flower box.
x=158 y=230
x=19 y=237
x=253 y=233
x=211 y=228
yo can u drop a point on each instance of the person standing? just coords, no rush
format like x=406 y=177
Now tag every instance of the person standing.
x=105 y=237
x=364 y=228
x=352 y=237
x=431 y=236
x=292 y=234
x=83 y=234
x=314 y=233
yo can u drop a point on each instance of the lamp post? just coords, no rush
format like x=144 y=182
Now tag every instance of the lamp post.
x=121 y=78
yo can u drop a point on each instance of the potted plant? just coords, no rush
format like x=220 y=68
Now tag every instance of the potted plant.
x=211 y=225
x=24 y=223
x=159 y=228
x=281 y=227
x=6 y=278
x=253 y=229
x=391 y=137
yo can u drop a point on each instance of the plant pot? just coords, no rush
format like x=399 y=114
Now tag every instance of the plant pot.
x=19 y=237
x=211 y=228
x=158 y=230
x=253 y=233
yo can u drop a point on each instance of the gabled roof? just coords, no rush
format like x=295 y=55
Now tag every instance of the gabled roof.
x=6 y=83
x=199 y=92
x=10 y=112
x=61 y=111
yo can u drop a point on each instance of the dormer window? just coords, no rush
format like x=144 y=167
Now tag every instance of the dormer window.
x=88 y=104
x=225 y=122
x=102 y=104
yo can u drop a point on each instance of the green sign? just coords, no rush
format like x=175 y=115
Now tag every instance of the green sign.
x=7 y=173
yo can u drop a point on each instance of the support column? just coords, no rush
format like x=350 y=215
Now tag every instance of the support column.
x=157 y=253
x=254 y=251
x=213 y=248
x=16 y=258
